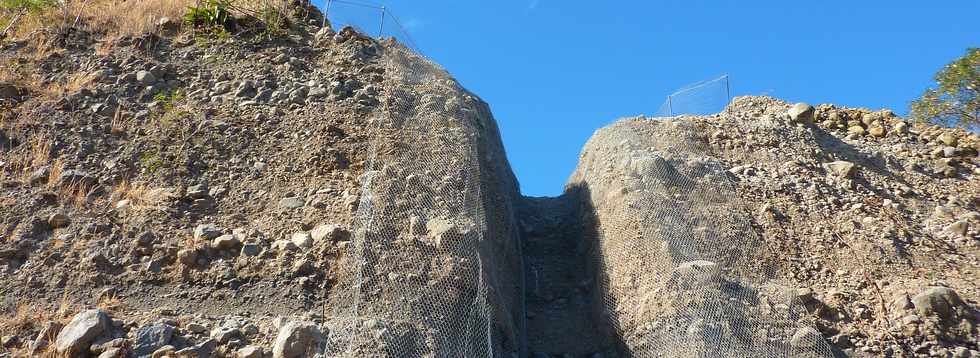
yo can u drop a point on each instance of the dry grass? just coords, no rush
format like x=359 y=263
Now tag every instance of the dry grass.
x=110 y=17
x=28 y=157
x=121 y=18
x=31 y=317
x=54 y=174
x=141 y=196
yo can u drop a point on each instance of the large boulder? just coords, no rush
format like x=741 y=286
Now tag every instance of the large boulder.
x=78 y=334
x=296 y=339
x=801 y=112
x=937 y=301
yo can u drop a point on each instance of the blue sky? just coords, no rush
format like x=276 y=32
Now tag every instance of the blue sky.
x=554 y=71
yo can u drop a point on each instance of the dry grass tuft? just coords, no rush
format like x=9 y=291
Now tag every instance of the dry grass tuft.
x=141 y=196
x=27 y=157
x=54 y=174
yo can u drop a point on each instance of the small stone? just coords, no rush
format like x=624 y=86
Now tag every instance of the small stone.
x=58 y=220
x=806 y=339
x=8 y=341
x=856 y=130
x=877 y=131
x=698 y=272
x=146 y=78
x=949 y=152
x=329 y=232
x=801 y=112
x=839 y=169
x=196 y=327
x=949 y=139
x=251 y=352
x=164 y=352
x=251 y=249
x=302 y=239
x=901 y=127
x=291 y=203
x=225 y=242
x=187 y=257
x=958 y=228
x=114 y=352
x=81 y=331
x=199 y=191
x=225 y=334
x=76 y=177
x=295 y=339
x=206 y=232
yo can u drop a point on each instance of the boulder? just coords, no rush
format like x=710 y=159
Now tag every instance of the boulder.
x=81 y=331
x=226 y=242
x=151 y=337
x=937 y=301
x=206 y=232
x=296 y=339
x=801 y=112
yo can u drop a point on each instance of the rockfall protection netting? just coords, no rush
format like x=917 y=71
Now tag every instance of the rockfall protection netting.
x=435 y=267
x=698 y=99
x=681 y=273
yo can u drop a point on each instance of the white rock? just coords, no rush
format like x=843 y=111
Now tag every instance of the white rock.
x=302 y=239
x=81 y=331
x=296 y=339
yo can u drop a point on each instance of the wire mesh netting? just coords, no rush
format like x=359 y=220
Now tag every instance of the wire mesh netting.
x=436 y=265
x=681 y=271
x=698 y=99
x=435 y=270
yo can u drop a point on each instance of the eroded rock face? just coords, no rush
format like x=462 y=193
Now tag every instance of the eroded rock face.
x=78 y=334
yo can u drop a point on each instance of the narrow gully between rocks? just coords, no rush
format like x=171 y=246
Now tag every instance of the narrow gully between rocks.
x=562 y=308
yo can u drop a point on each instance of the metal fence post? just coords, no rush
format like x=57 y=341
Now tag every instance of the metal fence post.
x=326 y=10
x=728 y=89
x=381 y=29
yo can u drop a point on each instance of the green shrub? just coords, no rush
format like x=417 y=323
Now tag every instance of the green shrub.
x=956 y=99
x=211 y=14
x=33 y=6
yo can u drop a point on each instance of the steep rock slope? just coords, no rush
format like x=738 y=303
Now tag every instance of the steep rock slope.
x=210 y=196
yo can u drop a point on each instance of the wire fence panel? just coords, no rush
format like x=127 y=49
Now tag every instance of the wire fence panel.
x=698 y=99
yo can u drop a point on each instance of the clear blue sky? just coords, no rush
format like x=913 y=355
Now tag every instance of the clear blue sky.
x=554 y=71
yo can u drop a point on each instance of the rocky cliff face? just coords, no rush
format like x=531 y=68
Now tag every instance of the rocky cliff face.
x=185 y=193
